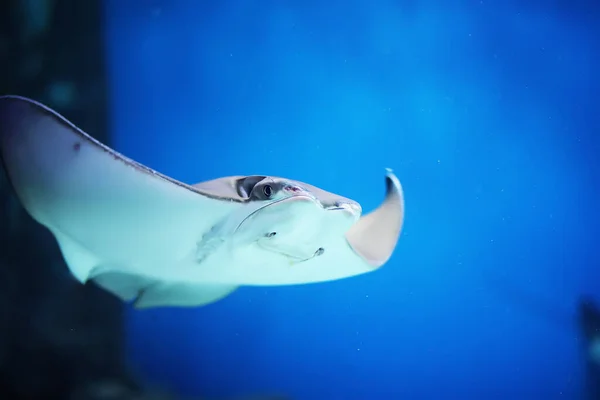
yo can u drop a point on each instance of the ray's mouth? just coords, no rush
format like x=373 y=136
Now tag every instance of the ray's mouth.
x=351 y=208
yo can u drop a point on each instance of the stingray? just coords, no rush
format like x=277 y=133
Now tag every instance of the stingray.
x=155 y=241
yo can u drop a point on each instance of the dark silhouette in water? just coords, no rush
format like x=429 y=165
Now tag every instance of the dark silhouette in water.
x=589 y=324
x=583 y=319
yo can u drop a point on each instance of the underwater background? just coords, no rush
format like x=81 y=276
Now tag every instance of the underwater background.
x=488 y=113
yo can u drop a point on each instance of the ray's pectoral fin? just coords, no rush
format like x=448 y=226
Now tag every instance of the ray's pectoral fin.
x=375 y=235
x=148 y=293
x=181 y=295
x=80 y=261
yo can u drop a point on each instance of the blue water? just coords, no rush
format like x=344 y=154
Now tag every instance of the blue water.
x=487 y=111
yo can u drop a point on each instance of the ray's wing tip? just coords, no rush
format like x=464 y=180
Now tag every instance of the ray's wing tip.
x=393 y=185
x=11 y=111
x=395 y=194
x=11 y=99
x=390 y=221
x=7 y=102
x=14 y=96
x=391 y=176
x=17 y=107
x=16 y=110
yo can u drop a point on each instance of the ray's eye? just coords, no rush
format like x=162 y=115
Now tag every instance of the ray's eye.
x=268 y=191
